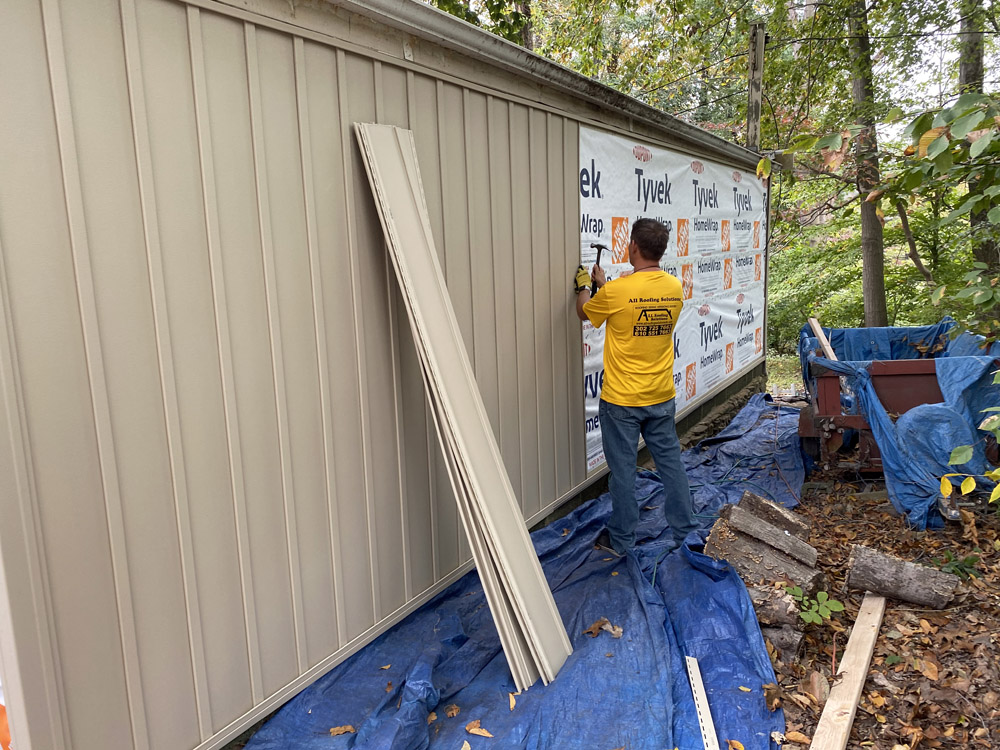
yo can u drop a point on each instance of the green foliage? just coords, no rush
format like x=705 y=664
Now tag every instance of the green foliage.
x=503 y=18
x=964 y=567
x=816 y=610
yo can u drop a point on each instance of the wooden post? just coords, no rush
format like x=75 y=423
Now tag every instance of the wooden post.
x=756 y=78
x=818 y=330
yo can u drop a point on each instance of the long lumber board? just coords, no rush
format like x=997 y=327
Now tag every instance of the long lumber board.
x=834 y=728
x=390 y=161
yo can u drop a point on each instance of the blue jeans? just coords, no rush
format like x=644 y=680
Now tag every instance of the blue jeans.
x=620 y=430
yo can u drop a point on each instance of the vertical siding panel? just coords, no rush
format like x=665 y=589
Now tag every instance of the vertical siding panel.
x=525 y=321
x=421 y=114
x=572 y=337
x=542 y=279
x=503 y=294
x=358 y=231
x=42 y=328
x=167 y=144
x=318 y=517
x=348 y=486
x=392 y=107
x=455 y=227
x=165 y=362
x=281 y=212
x=378 y=353
x=559 y=304
x=130 y=722
x=481 y=251
x=123 y=311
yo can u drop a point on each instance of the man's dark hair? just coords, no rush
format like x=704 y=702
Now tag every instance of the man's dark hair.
x=651 y=237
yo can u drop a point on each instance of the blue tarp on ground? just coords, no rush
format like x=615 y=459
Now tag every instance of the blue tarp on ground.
x=916 y=447
x=630 y=692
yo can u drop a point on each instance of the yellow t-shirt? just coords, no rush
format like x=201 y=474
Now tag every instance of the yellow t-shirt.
x=641 y=311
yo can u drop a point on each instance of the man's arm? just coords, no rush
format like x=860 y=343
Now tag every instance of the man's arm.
x=583 y=295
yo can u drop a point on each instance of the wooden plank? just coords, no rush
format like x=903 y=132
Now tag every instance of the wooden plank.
x=390 y=160
x=834 y=728
x=817 y=329
x=742 y=520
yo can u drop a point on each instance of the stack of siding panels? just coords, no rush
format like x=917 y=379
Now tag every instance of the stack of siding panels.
x=530 y=628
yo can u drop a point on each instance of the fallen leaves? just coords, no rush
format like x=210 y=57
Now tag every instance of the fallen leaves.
x=603 y=624
x=772 y=696
x=451 y=711
x=513 y=700
x=431 y=717
x=745 y=689
x=346 y=729
x=798 y=738
x=473 y=727
x=734 y=745
x=466 y=745
x=388 y=687
x=386 y=666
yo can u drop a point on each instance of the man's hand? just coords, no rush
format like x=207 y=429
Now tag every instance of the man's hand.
x=599 y=277
x=581 y=280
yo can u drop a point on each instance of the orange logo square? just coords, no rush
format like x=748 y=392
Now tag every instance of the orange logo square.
x=758 y=340
x=730 y=357
x=619 y=239
x=725 y=235
x=727 y=273
x=691 y=380
x=756 y=267
x=687 y=280
x=683 y=235
x=756 y=234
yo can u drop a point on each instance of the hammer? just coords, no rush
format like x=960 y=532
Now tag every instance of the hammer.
x=600 y=247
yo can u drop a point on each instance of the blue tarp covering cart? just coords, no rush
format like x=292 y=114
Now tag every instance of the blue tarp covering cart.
x=914 y=445
x=631 y=691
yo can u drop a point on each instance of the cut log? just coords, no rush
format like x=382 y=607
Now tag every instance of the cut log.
x=774 y=607
x=786 y=639
x=743 y=520
x=871 y=570
x=756 y=561
x=775 y=515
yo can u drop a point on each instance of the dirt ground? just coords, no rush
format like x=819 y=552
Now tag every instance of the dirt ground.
x=934 y=681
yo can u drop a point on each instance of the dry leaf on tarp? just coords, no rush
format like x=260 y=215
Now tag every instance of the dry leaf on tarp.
x=473 y=728
x=797 y=737
x=466 y=745
x=513 y=700
x=346 y=729
x=595 y=630
x=431 y=717
x=745 y=689
x=386 y=666
x=388 y=687
x=734 y=745
x=451 y=711
x=565 y=532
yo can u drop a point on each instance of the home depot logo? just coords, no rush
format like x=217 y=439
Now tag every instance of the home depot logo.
x=756 y=267
x=619 y=239
x=642 y=153
x=683 y=236
x=727 y=274
x=691 y=380
x=687 y=280
x=726 y=234
x=756 y=234
x=758 y=341
x=730 y=357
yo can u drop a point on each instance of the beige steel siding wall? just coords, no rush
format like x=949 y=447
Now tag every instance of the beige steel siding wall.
x=222 y=474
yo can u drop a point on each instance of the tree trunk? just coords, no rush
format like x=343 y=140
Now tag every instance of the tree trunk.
x=527 y=31
x=866 y=150
x=970 y=78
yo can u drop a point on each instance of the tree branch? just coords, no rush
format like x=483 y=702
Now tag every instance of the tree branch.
x=914 y=255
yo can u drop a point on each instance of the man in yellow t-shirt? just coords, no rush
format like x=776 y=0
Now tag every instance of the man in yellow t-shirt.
x=637 y=397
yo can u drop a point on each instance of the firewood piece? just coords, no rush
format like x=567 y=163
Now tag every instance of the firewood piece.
x=786 y=639
x=757 y=561
x=744 y=521
x=871 y=570
x=774 y=607
x=775 y=514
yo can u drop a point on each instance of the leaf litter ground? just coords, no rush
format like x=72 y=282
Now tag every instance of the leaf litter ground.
x=934 y=681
